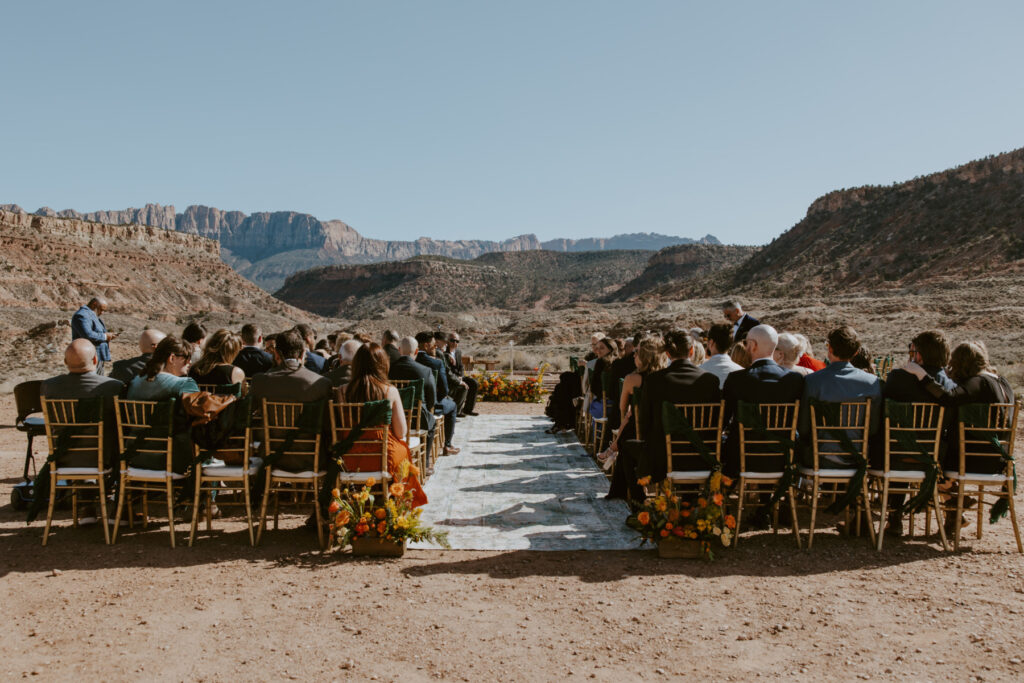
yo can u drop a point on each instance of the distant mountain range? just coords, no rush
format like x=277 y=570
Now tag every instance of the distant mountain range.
x=267 y=247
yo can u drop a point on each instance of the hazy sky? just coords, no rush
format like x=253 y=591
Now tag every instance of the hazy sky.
x=482 y=119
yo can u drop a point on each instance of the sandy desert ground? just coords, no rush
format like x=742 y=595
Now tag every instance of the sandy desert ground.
x=224 y=610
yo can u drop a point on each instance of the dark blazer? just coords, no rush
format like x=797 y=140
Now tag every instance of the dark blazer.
x=406 y=368
x=765 y=381
x=253 y=360
x=747 y=323
x=124 y=371
x=88 y=385
x=680 y=382
x=340 y=374
x=904 y=387
x=315 y=362
x=392 y=351
x=456 y=367
x=442 y=376
x=978 y=389
x=621 y=367
x=284 y=385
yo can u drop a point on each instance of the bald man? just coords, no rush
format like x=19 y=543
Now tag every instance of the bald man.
x=125 y=370
x=86 y=324
x=81 y=381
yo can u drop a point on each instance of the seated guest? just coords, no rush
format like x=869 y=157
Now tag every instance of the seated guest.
x=165 y=377
x=977 y=382
x=700 y=354
x=738 y=354
x=742 y=322
x=125 y=370
x=215 y=366
x=787 y=353
x=323 y=348
x=252 y=359
x=606 y=354
x=406 y=368
x=290 y=381
x=269 y=344
x=625 y=364
x=765 y=381
x=313 y=360
x=83 y=382
x=930 y=351
x=862 y=360
x=444 y=405
x=838 y=382
x=369 y=382
x=680 y=382
x=719 y=343
x=457 y=389
x=195 y=334
x=807 y=358
x=389 y=340
x=472 y=386
x=342 y=370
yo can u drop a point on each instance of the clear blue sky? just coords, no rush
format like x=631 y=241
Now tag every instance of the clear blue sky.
x=491 y=119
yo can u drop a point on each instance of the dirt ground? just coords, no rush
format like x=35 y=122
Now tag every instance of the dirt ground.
x=221 y=610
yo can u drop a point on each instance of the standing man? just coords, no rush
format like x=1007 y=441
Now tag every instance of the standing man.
x=741 y=322
x=455 y=360
x=86 y=324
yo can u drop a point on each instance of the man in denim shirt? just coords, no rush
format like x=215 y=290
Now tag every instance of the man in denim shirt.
x=86 y=324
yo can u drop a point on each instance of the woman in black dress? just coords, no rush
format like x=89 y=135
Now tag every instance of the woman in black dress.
x=215 y=365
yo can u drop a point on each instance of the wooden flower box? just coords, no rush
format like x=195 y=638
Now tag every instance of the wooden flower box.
x=673 y=547
x=377 y=547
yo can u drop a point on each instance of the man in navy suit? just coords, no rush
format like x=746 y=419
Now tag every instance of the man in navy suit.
x=742 y=322
x=86 y=324
x=252 y=358
x=405 y=367
x=765 y=381
x=313 y=360
x=445 y=405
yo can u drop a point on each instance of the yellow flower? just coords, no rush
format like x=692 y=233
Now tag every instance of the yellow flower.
x=660 y=504
x=701 y=525
x=716 y=481
x=335 y=493
x=370 y=482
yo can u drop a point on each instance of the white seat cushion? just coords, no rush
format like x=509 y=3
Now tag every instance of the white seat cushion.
x=228 y=471
x=414 y=442
x=699 y=475
x=980 y=478
x=909 y=475
x=152 y=475
x=285 y=474
x=827 y=473
x=362 y=477
x=761 y=475
x=73 y=471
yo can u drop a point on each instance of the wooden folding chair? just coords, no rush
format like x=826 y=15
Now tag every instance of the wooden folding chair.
x=411 y=392
x=74 y=431
x=913 y=435
x=27 y=403
x=235 y=390
x=688 y=466
x=767 y=433
x=146 y=428
x=295 y=430
x=215 y=476
x=852 y=419
x=367 y=457
x=986 y=435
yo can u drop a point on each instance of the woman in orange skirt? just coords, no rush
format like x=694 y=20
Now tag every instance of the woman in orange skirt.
x=369 y=382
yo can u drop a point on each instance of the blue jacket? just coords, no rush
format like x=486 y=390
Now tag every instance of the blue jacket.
x=85 y=324
x=837 y=382
x=315 y=362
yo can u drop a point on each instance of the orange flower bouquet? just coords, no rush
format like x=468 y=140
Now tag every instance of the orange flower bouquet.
x=498 y=387
x=357 y=515
x=667 y=517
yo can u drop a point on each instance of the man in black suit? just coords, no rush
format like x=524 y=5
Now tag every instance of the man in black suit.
x=252 y=358
x=124 y=371
x=341 y=373
x=406 y=368
x=680 y=382
x=742 y=323
x=444 y=405
x=454 y=353
x=765 y=381
x=390 y=343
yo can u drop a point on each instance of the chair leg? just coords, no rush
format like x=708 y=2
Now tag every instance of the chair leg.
x=981 y=508
x=263 y=509
x=209 y=511
x=863 y=510
x=49 y=506
x=739 y=511
x=248 y=511
x=795 y=522
x=103 y=508
x=170 y=509
x=959 y=514
x=74 y=503
x=1013 y=517
x=316 y=508
x=938 y=518
x=195 y=511
x=145 y=509
x=814 y=512
x=881 y=520
x=122 y=493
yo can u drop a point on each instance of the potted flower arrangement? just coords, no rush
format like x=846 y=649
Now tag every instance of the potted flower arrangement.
x=685 y=529
x=379 y=530
x=498 y=387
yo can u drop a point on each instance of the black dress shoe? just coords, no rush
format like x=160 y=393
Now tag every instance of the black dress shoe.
x=472 y=413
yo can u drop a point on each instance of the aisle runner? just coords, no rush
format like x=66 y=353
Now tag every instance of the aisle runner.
x=514 y=487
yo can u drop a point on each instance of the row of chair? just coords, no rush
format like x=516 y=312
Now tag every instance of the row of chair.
x=286 y=430
x=911 y=459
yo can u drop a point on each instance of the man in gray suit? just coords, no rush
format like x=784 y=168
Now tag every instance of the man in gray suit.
x=125 y=370
x=83 y=382
x=840 y=381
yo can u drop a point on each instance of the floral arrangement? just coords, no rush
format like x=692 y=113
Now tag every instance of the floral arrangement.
x=356 y=515
x=666 y=515
x=498 y=387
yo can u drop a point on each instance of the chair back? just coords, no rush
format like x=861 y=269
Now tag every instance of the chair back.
x=839 y=427
x=27 y=400
x=368 y=450
x=292 y=431
x=913 y=432
x=411 y=393
x=986 y=432
x=223 y=389
x=145 y=428
x=74 y=430
x=883 y=366
x=697 y=443
x=767 y=434
x=236 y=448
